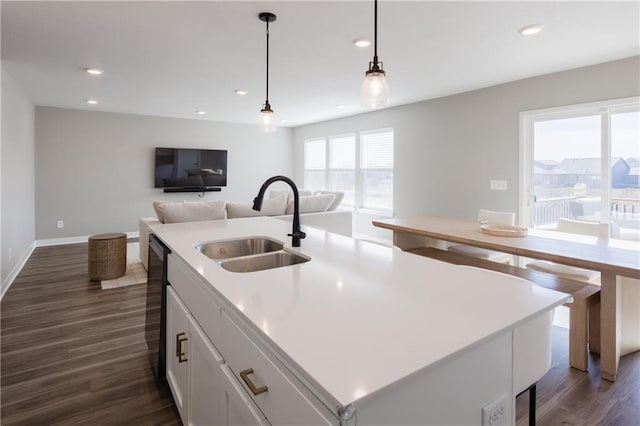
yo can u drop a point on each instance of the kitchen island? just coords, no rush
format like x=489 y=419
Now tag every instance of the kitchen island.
x=359 y=334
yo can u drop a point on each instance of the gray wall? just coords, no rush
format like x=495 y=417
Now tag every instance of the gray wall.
x=95 y=169
x=17 y=179
x=447 y=149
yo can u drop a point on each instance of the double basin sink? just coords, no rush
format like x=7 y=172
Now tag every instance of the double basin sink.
x=250 y=254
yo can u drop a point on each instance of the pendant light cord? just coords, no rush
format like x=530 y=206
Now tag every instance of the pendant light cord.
x=267 y=100
x=375 y=32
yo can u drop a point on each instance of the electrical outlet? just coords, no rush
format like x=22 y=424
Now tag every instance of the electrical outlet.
x=498 y=185
x=60 y=224
x=495 y=414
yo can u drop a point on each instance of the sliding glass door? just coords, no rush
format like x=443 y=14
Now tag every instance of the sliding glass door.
x=582 y=162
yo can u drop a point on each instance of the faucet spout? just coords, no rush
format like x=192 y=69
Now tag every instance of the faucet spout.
x=296 y=234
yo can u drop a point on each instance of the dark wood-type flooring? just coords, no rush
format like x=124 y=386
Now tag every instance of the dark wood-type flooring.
x=72 y=353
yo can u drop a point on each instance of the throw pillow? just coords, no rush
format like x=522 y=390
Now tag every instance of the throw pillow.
x=174 y=212
x=336 y=202
x=158 y=210
x=280 y=193
x=312 y=203
x=288 y=193
x=270 y=207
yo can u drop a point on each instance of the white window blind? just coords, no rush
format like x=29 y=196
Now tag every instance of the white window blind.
x=315 y=161
x=342 y=152
x=359 y=164
x=376 y=170
x=376 y=150
x=314 y=154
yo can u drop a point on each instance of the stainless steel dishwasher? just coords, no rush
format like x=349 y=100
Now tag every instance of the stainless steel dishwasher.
x=155 y=315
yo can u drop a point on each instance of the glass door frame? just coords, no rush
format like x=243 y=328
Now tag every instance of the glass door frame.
x=526 y=141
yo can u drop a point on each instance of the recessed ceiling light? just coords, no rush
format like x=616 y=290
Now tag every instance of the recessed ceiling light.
x=93 y=71
x=360 y=42
x=284 y=120
x=240 y=92
x=201 y=112
x=339 y=106
x=531 y=29
x=92 y=102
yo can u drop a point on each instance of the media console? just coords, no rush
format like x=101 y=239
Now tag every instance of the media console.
x=192 y=189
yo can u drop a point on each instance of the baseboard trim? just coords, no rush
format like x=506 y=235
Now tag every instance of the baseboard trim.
x=16 y=270
x=4 y=286
x=73 y=240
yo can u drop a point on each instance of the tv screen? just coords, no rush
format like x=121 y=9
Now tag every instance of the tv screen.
x=190 y=168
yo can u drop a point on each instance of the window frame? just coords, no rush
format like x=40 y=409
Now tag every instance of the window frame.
x=604 y=109
x=357 y=170
x=305 y=169
x=361 y=170
x=329 y=177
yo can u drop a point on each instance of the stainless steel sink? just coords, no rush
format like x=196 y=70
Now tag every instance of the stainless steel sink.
x=265 y=261
x=239 y=247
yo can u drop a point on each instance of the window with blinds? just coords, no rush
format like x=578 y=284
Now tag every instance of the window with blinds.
x=360 y=165
x=376 y=169
x=315 y=164
x=342 y=167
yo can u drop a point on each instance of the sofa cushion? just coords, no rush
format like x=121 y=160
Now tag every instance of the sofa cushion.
x=339 y=195
x=159 y=212
x=270 y=207
x=173 y=212
x=288 y=193
x=312 y=203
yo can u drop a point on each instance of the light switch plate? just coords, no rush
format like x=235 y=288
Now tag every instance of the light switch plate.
x=498 y=185
x=495 y=414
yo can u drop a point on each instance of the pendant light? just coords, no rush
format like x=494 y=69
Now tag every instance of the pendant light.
x=266 y=122
x=375 y=90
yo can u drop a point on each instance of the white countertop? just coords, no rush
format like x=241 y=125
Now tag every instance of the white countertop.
x=360 y=316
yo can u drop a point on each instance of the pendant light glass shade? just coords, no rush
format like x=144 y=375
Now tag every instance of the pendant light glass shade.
x=266 y=120
x=374 y=92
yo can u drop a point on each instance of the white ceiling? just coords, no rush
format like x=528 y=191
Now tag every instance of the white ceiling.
x=173 y=58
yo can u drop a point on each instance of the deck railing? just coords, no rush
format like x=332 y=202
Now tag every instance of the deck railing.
x=548 y=211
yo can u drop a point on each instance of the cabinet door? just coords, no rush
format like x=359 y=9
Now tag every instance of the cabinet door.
x=205 y=390
x=178 y=352
x=238 y=407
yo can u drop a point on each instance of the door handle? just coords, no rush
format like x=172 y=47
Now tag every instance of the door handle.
x=181 y=338
x=254 y=389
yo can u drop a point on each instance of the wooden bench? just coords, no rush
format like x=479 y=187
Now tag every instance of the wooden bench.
x=586 y=300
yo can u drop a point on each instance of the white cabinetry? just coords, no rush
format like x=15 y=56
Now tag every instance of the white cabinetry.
x=177 y=342
x=272 y=388
x=238 y=407
x=193 y=367
x=206 y=382
x=252 y=388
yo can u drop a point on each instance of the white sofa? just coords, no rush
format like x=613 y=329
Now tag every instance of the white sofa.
x=277 y=205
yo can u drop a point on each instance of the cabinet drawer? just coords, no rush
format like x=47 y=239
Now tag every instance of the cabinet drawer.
x=239 y=408
x=284 y=402
x=201 y=303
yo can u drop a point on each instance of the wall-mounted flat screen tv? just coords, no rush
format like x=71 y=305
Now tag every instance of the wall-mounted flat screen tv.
x=196 y=169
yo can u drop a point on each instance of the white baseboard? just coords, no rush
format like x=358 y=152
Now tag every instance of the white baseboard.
x=4 y=286
x=16 y=270
x=73 y=240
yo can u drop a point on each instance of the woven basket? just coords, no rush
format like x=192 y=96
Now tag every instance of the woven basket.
x=107 y=256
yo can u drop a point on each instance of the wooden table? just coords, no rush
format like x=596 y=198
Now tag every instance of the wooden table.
x=614 y=259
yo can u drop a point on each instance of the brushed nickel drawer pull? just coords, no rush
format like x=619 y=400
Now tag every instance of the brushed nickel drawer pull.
x=180 y=338
x=255 y=390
